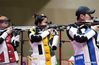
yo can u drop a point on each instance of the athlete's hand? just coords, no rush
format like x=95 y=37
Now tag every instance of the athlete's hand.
x=50 y=30
x=9 y=30
x=95 y=27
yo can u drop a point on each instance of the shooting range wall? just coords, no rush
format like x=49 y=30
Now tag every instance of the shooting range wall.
x=58 y=11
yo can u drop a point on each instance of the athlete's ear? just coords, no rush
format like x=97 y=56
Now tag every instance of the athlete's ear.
x=81 y=16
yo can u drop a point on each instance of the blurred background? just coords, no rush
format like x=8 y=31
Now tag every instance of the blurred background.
x=58 y=11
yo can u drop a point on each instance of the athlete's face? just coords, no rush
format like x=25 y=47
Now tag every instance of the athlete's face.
x=44 y=22
x=4 y=24
x=86 y=17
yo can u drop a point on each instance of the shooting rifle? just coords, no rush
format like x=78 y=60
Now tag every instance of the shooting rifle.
x=57 y=27
x=89 y=23
x=26 y=28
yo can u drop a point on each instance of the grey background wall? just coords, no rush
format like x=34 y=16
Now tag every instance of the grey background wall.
x=58 y=11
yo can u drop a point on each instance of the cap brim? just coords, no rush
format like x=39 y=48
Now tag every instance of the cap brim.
x=91 y=11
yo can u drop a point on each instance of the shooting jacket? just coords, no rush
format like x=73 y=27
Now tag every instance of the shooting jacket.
x=86 y=44
x=43 y=44
x=8 y=44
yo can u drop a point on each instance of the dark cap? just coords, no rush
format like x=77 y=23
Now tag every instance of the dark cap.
x=84 y=10
x=39 y=18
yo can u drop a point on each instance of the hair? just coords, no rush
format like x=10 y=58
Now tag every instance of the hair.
x=78 y=17
x=39 y=18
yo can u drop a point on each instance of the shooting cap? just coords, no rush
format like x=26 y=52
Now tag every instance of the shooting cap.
x=84 y=10
x=4 y=19
x=39 y=18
